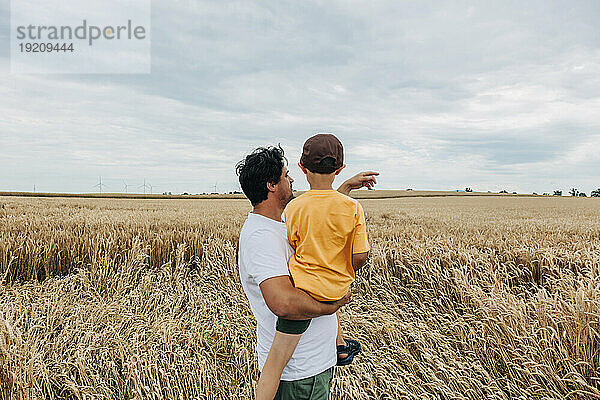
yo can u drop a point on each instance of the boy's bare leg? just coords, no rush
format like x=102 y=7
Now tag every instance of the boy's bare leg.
x=281 y=351
x=340 y=336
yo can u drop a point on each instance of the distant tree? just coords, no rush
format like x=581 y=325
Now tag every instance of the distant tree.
x=503 y=191
x=596 y=193
x=535 y=193
x=468 y=190
x=573 y=192
x=582 y=194
x=557 y=193
x=514 y=192
x=546 y=194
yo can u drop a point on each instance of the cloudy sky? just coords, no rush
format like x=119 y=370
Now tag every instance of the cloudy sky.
x=434 y=95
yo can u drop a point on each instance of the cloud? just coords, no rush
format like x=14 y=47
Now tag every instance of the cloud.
x=435 y=95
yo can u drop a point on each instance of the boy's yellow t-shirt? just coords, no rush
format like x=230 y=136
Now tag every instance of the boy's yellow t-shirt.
x=325 y=228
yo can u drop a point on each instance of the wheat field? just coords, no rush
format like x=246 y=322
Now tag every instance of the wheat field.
x=463 y=298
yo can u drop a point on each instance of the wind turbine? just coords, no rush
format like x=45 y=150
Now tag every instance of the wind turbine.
x=100 y=185
x=145 y=185
x=152 y=186
x=125 y=185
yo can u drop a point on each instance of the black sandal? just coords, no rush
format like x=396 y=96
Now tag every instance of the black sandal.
x=352 y=348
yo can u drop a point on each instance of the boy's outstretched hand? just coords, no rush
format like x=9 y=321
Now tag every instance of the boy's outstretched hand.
x=362 y=179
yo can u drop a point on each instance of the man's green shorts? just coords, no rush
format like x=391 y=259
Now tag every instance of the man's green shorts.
x=316 y=387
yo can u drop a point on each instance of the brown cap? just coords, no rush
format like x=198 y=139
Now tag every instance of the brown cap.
x=319 y=147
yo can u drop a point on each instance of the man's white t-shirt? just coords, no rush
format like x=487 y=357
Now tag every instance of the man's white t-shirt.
x=264 y=253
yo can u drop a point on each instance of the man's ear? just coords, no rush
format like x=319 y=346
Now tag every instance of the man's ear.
x=337 y=171
x=271 y=186
x=303 y=168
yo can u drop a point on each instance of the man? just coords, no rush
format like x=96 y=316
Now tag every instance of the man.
x=263 y=263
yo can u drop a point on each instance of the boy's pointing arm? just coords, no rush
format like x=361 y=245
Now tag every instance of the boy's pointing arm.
x=362 y=179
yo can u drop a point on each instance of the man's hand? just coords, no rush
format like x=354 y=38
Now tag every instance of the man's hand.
x=333 y=306
x=362 y=179
x=343 y=300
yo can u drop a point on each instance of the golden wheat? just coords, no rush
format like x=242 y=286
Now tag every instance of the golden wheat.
x=463 y=298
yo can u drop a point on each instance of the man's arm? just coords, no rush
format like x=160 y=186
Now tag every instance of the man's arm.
x=363 y=179
x=285 y=301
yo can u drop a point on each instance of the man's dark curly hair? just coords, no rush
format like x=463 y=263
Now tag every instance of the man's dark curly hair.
x=264 y=164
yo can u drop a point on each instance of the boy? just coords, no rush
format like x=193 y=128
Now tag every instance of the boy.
x=328 y=233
